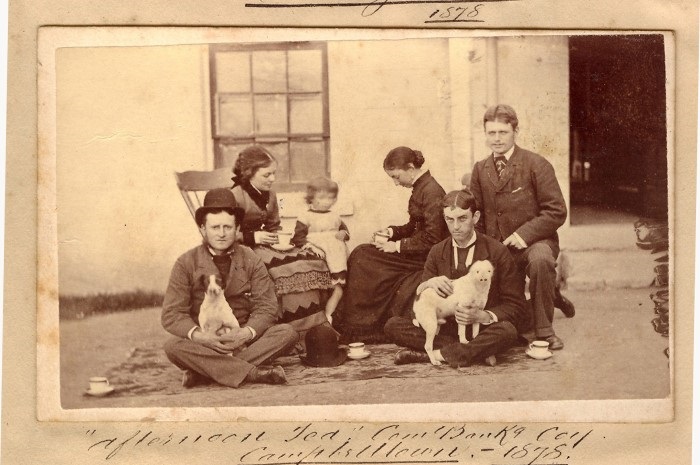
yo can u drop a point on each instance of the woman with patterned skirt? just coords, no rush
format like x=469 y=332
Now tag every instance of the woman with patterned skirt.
x=301 y=277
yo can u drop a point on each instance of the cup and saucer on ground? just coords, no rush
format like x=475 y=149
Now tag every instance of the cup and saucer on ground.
x=99 y=387
x=539 y=350
x=357 y=351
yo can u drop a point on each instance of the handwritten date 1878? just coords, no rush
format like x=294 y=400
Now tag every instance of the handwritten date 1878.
x=456 y=14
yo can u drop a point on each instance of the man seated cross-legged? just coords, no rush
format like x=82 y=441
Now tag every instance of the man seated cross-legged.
x=449 y=260
x=237 y=356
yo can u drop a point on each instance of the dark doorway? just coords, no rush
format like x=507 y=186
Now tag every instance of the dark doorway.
x=618 y=128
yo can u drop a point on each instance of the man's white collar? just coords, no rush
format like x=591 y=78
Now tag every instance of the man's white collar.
x=469 y=242
x=213 y=252
x=508 y=154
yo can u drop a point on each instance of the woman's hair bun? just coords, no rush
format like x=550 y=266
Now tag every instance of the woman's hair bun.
x=400 y=157
x=419 y=159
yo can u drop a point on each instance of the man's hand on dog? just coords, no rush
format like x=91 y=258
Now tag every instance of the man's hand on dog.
x=236 y=338
x=440 y=284
x=469 y=315
x=224 y=344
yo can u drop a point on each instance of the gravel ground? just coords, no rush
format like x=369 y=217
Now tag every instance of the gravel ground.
x=611 y=352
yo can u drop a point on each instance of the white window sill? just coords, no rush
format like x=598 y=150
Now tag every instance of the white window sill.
x=292 y=204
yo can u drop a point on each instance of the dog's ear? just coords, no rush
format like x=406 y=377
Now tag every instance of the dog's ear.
x=219 y=281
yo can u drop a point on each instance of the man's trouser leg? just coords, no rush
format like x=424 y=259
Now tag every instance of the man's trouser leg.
x=226 y=369
x=492 y=339
x=539 y=263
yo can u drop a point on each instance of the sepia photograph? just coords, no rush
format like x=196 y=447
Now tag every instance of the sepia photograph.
x=450 y=221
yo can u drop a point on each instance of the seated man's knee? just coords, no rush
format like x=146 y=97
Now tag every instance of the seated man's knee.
x=285 y=332
x=173 y=346
x=541 y=257
x=506 y=330
x=510 y=330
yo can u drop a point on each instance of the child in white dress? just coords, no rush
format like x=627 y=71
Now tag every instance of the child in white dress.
x=324 y=233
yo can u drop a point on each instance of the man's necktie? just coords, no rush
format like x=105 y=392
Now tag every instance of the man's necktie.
x=500 y=164
x=223 y=263
x=460 y=258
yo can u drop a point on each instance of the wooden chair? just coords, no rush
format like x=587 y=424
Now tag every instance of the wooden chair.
x=194 y=185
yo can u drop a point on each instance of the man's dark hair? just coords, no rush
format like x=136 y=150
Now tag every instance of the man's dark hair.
x=502 y=113
x=460 y=199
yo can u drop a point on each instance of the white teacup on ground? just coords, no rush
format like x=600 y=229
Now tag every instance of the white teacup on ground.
x=539 y=348
x=357 y=348
x=284 y=238
x=99 y=384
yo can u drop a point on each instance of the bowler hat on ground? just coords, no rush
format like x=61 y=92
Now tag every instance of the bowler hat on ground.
x=218 y=199
x=322 y=348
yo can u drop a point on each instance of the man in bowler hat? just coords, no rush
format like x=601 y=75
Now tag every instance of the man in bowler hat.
x=240 y=355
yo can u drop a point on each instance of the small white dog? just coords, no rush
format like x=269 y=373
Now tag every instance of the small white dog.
x=431 y=310
x=215 y=314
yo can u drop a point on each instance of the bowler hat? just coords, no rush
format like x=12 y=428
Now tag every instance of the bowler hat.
x=322 y=348
x=218 y=199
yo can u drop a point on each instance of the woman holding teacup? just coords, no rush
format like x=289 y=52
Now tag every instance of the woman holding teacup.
x=383 y=275
x=300 y=276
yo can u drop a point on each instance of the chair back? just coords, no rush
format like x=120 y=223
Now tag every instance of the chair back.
x=194 y=185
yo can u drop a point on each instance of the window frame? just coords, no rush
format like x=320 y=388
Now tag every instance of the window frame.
x=288 y=137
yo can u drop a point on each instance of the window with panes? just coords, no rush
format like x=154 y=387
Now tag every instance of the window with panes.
x=274 y=95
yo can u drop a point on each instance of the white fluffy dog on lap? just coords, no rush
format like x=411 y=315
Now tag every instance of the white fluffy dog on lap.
x=469 y=291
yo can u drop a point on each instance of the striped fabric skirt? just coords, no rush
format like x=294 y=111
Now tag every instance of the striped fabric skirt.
x=301 y=282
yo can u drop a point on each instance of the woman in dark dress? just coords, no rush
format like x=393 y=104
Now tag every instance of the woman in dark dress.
x=301 y=278
x=383 y=276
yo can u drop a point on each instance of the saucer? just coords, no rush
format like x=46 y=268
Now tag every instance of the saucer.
x=365 y=354
x=282 y=248
x=538 y=357
x=101 y=393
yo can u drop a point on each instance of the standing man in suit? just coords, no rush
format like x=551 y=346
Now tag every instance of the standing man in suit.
x=250 y=293
x=522 y=206
x=449 y=260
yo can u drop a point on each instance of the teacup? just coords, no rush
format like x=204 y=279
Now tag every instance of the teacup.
x=539 y=348
x=284 y=238
x=380 y=237
x=99 y=384
x=357 y=348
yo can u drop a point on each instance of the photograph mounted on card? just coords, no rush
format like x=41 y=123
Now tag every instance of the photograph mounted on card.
x=315 y=183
